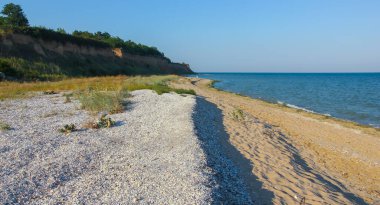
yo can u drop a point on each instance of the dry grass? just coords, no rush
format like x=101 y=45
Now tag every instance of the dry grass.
x=95 y=94
x=17 y=90
x=102 y=101
x=109 y=83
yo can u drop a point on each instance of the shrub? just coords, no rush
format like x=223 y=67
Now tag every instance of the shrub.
x=238 y=114
x=103 y=122
x=29 y=70
x=4 y=126
x=67 y=129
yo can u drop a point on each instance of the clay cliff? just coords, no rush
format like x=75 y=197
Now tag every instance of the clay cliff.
x=74 y=59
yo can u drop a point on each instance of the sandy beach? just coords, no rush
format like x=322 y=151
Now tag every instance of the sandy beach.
x=297 y=156
x=155 y=154
x=183 y=102
x=213 y=148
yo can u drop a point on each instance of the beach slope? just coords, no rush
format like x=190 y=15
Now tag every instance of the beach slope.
x=296 y=156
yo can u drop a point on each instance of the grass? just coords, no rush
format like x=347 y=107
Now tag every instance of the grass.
x=156 y=83
x=68 y=97
x=19 y=90
x=4 y=126
x=102 y=101
x=109 y=83
x=238 y=114
x=95 y=94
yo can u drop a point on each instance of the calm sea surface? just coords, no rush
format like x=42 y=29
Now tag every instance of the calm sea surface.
x=354 y=97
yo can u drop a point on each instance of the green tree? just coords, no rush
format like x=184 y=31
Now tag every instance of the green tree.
x=2 y=21
x=14 y=16
x=102 y=36
x=61 y=30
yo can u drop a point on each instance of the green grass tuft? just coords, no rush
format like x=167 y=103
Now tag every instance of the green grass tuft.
x=102 y=101
x=238 y=114
x=4 y=126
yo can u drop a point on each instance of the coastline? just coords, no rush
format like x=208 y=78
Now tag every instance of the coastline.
x=214 y=147
x=342 y=154
x=344 y=122
x=286 y=88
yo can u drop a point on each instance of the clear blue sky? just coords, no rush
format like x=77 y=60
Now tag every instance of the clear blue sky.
x=234 y=35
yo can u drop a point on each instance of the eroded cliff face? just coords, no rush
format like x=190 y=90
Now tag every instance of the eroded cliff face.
x=32 y=49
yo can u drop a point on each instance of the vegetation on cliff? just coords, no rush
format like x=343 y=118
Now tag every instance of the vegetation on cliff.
x=22 y=62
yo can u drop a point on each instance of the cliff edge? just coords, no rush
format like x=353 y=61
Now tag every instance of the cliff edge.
x=73 y=56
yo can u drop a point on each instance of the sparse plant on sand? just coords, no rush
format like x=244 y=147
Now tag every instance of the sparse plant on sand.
x=102 y=122
x=67 y=129
x=68 y=97
x=50 y=92
x=50 y=114
x=4 y=126
x=238 y=114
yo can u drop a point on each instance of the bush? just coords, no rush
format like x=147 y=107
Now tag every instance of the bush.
x=85 y=38
x=4 y=126
x=103 y=122
x=67 y=129
x=28 y=70
x=238 y=114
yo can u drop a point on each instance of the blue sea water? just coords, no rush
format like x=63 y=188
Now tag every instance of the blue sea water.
x=350 y=96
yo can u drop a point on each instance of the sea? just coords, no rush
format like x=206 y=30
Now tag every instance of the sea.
x=350 y=96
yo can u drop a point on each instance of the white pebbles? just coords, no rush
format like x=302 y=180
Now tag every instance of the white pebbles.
x=154 y=155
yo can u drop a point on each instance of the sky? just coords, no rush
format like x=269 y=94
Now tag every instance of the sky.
x=232 y=35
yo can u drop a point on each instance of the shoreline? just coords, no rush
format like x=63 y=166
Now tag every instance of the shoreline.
x=303 y=148
x=216 y=146
x=317 y=115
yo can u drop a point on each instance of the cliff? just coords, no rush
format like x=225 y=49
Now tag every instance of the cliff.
x=71 y=58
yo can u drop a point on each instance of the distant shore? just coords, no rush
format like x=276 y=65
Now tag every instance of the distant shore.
x=297 y=154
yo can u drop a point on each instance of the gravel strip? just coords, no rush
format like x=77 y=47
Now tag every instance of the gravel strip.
x=154 y=155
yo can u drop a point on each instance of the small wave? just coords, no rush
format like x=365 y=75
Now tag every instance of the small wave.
x=301 y=108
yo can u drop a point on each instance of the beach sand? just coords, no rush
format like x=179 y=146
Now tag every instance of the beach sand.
x=296 y=157
x=214 y=148
x=164 y=149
